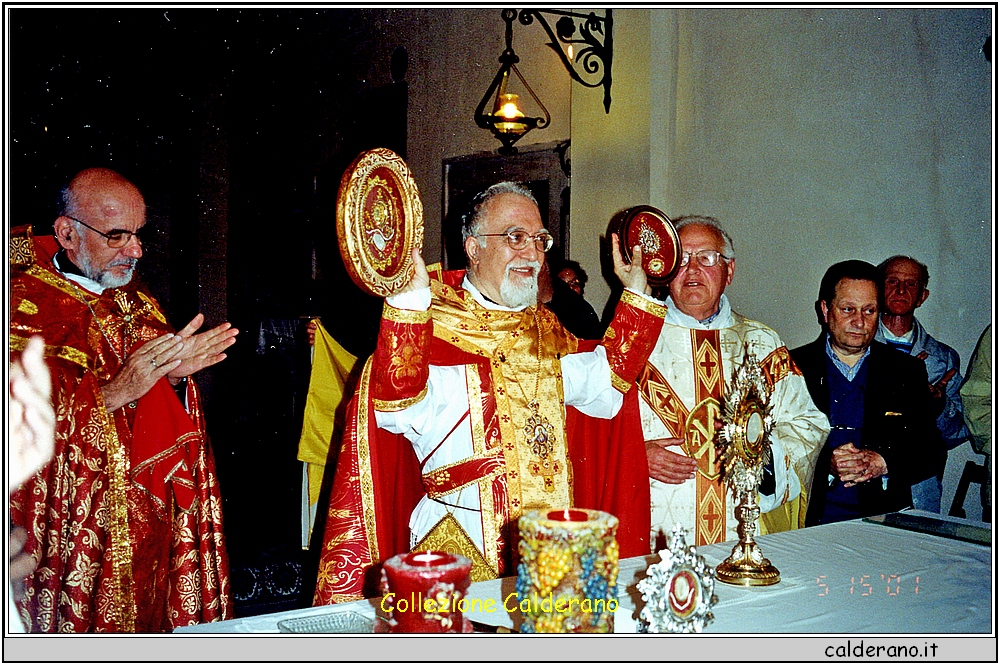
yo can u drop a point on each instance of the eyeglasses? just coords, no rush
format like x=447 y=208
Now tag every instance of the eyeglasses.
x=518 y=240
x=706 y=257
x=116 y=238
x=892 y=284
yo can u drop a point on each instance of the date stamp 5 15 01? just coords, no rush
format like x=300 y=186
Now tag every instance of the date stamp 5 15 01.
x=868 y=585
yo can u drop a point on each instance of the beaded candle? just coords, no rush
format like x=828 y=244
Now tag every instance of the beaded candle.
x=567 y=581
x=426 y=592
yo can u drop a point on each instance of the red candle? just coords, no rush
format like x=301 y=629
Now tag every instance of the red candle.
x=425 y=591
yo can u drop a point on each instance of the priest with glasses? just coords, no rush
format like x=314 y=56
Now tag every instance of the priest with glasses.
x=477 y=406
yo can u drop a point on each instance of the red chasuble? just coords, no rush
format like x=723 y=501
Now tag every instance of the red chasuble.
x=378 y=481
x=126 y=519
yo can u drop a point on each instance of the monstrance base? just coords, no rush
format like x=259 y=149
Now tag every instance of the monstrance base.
x=742 y=571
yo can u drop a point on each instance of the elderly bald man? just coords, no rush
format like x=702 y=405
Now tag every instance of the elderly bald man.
x=125 y=521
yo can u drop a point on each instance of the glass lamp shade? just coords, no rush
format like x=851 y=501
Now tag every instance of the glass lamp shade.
x=507 y=117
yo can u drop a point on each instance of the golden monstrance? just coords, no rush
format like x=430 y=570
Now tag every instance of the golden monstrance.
x=745 y=447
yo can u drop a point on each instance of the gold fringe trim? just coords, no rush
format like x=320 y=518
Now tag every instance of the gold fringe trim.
x=643 y=303
x=491 y=525
x=365 y=464
x=444 y=471
x=620 y=384
x=121 y=540
x=154 y=307
x=53 y=280
x=404 y=315
x=398 y=404
x=68 y=353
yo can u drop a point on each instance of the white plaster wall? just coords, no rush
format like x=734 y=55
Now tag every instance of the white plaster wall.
x=814 y=135
x=610 y=151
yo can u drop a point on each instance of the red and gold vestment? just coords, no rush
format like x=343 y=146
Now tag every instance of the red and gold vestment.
x=125 y=521
x=517 y=443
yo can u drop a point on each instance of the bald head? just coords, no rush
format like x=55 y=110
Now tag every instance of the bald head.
x=95 y=203
x=102 y=194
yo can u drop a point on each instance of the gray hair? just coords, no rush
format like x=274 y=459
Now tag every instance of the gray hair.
x=711 y=222
x=68 y=205
x=472 y=220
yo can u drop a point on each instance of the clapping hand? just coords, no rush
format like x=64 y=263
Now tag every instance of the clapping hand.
x=142 y=369
x=203 y=349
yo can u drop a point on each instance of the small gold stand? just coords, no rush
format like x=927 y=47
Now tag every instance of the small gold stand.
x=746 y=566
x=746 y=448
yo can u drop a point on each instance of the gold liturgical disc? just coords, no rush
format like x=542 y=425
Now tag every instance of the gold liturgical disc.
x=380 y=219
x=651 y=230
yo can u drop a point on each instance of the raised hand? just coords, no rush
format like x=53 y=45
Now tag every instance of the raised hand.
x=150 y=362
x=203 y=349
x=668 y=466
x=420 y=279
x=631 y=274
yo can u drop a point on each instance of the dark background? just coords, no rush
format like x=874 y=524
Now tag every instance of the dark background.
x=236 y=124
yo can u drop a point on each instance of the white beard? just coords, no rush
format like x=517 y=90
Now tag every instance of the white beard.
x=518 y=293
x=105 y=277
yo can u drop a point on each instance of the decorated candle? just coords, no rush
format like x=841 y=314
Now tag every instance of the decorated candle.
x=425 y=591
x=567 y=580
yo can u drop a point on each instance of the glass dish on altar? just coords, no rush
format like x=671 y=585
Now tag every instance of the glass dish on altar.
x=336 y=622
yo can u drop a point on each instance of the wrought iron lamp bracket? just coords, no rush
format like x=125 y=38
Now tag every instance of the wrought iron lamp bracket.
x=595 y=41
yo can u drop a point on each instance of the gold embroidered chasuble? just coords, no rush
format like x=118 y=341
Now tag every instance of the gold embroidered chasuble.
x=524 y=349
x=680 y=390
x=125 y=521
x=506 y=454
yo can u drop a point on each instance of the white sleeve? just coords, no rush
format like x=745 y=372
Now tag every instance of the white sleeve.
x=418 y=301
x=800 y=430
x=587 y=384
x=427 y=422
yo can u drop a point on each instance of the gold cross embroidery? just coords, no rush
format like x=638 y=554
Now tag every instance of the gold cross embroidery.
x=547 y=469
x=129 y=324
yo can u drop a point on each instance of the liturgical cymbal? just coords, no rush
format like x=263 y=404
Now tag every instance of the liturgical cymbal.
x=380 y=219
x=653 y=231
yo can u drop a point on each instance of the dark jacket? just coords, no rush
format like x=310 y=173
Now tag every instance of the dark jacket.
x=898 y=424
x=574 y=312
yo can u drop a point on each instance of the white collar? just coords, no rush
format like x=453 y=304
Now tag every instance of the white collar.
x=723 y=318
x=85 y=282
x=907 y=337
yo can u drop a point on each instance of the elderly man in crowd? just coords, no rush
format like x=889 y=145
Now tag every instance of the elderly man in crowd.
x=904 y=282
x=883 y=438
x=505 y=410
x=683 y=385
x=124 y=523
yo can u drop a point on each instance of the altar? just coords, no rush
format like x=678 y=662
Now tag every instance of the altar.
x=855 y=577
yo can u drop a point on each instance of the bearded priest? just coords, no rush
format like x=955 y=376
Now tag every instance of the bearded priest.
x=477 y=406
